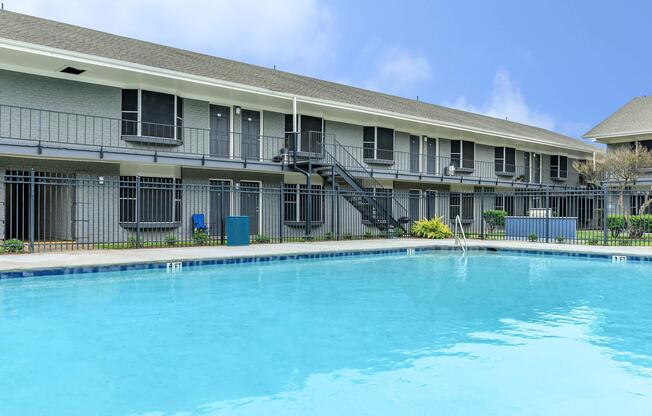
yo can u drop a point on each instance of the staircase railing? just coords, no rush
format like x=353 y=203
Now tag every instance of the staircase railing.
x=338 y=154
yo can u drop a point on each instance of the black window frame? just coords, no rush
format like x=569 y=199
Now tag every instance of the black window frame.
x=558 y=170
x=295 y=203
x=152 y=189
x=375 y=147
x=136 y=121
x=462 y=204
x=459 y=154
x=505 y=160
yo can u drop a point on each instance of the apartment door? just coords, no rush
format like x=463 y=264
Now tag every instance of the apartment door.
x=413 y=206
x=536 y=167
x=431 y=204
x=220 y=206
x=526 y=167
x=431 y=151
x=250 y=134
x=311 y=134
x=220 y=125
x=250 y=204
x=414 y=154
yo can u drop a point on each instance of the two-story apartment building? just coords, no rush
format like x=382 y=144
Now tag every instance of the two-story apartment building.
x=629 y=126
x=79 y=103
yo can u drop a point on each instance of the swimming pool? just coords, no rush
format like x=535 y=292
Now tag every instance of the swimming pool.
x=432 y=333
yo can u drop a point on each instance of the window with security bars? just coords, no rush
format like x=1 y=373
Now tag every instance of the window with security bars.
x=160 y=200
x=461 y=204
x=295 y=200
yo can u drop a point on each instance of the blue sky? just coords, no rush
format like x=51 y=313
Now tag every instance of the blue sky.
x=562 y=65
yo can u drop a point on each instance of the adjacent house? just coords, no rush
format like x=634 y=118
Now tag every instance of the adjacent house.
x=79 y=103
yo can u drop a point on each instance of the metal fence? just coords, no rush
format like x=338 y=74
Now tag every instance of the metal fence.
x=58 y=212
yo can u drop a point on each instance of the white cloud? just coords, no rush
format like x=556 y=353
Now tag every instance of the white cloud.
x=398 y=70
x=507 y=101
x=292 y=34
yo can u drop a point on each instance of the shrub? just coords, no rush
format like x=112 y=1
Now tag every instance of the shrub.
x=200 y=237
x=494 y=218
x=398 y=232
x=347 y=236
x=560 y=239
x=170 y=240
x=329 y=235
x=593 y=241
x=368 y=234
x=637 y=225
x=13 y=245
x=533 y=238
x=615 y=225
x=261 y=239
x=433 y=228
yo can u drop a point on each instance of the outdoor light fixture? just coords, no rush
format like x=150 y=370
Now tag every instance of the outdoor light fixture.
x=451 y=170
x=237 y=110
x=100 y=179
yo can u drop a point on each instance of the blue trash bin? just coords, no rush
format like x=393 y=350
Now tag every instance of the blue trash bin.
x=237 y=230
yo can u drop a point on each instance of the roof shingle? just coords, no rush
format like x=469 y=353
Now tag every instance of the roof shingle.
x=29 y=29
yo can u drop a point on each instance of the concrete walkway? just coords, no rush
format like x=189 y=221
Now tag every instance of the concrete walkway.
x=25 y=262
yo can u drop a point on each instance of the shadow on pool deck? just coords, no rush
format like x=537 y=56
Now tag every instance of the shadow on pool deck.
x=40 y=261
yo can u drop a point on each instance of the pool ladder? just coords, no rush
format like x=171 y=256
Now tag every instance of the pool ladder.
x=459 y=229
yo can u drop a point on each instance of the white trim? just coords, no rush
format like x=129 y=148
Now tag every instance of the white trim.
x=260 y=200
x=231 y=189
x=145 y=69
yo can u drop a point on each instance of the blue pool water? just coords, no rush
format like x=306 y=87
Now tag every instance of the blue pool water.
x=491 y=334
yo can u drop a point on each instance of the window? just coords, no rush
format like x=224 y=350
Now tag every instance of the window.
x=505 y=160
x=296 y=203
x=152 y=114
x=636 y=202
x=558 y=167
x=160 y=200
x=461 y=204
x=505 y=203
x=526 y=167
x=462 y=154
x=378 y=143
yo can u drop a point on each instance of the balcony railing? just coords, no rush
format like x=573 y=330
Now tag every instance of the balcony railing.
x=47 y=128
x=406 y=163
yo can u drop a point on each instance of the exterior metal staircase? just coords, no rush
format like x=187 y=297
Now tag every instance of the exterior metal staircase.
x=340 y=169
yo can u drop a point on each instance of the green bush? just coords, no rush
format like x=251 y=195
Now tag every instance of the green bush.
x=398 y=232
x=494 y=218
x=615 y=225
x=593 y=241
x=433 y=228
x=13 y=245
x=560 y=239
x=635 y=225
x=261 y=239
x=368 y=234
x=347 y=236
x=533 y=238
x=329 y=235
x=170 y=240
x=200 y=237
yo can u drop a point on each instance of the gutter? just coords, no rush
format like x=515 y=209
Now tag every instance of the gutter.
x=181 y=76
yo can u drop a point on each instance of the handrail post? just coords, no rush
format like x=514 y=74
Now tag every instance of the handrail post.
x=605 y=214
x=281 y=218
x=482 y=216
x=547 y=215
x=138 y=208
x=32 y=191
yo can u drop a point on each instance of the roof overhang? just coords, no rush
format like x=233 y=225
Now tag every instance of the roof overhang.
x=46 y=61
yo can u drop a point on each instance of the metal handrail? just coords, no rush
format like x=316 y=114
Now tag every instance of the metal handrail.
x=462 y=242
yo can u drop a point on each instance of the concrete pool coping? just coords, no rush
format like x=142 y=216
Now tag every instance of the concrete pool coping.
x=26 y=264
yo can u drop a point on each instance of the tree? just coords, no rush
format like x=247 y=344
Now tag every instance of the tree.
x=621 y=168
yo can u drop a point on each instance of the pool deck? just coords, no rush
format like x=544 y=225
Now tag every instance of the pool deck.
x=41 y=261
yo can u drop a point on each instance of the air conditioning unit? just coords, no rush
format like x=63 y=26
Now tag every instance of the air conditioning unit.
x=541 y=212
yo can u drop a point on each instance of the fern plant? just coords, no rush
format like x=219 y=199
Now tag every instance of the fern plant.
x=433 y=228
